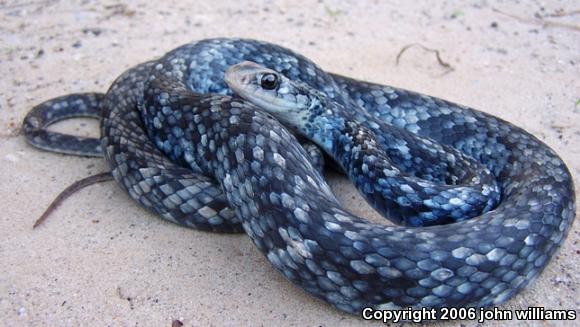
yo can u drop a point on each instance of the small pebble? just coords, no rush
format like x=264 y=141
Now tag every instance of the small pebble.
x=11 y=157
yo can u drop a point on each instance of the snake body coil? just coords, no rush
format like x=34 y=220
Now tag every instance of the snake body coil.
x=180 y=144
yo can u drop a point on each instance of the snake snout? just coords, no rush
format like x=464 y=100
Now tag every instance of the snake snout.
x=241 y=74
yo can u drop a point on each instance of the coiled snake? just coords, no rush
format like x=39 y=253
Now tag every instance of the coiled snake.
x=179 y=142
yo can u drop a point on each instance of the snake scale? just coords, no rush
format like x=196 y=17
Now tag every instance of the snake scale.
x=183 y=145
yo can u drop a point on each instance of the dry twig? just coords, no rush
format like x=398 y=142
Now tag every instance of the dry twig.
x=440 y=61
x=539 y=21
x=70 y=190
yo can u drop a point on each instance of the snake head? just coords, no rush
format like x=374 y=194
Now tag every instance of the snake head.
x=290 y=101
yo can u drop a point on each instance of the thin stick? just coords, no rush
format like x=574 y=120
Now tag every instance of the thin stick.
x=562 y=13
x=437 y=54
x=70 y=190
x=544 y=23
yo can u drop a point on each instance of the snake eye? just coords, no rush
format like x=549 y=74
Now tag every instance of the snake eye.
x=269 y=81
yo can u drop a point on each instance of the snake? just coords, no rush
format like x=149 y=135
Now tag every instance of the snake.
x=210 y=136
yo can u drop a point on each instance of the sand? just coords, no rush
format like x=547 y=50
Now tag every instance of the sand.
x=103 y=260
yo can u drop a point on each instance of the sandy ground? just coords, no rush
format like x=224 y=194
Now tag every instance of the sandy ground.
x=103 y=260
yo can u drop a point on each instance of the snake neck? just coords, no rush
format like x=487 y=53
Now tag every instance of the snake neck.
x=327 y=124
